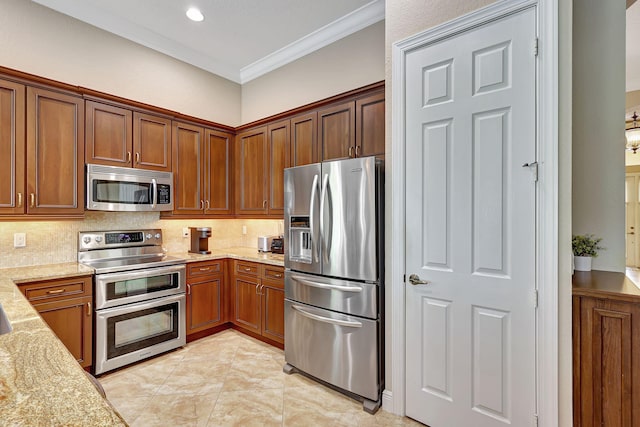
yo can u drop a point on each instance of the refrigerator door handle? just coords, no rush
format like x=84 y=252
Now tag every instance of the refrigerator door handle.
x=326 y=319
x=323 y=195
x=314 y=239
x=326 y=285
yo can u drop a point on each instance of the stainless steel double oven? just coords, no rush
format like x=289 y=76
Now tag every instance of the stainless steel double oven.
x=139 y=296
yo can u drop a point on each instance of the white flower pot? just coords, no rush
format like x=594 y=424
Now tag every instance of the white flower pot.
x=582 y=263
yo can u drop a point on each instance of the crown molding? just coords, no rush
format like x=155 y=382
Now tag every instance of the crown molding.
x=355 y=21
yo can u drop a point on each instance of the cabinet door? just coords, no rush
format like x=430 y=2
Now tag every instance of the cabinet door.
x=370 y=126
x=336 y=131
x=55 y=153
x=71 y=321
x=251 y=172
x=217 y=170
x=188 y=153
x=247 y=303
x=273 y=310
x=12 y=148
x=278 y=146
x=304 y=146
x=151 y=142
x=108 y=135
x=204 y=308
x=609 y=363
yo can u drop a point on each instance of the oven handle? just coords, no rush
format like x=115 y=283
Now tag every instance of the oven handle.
x=142 y=305
x=136 y=274
x=326 y=319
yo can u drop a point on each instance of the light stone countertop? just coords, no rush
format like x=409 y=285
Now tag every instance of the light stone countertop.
x=41 y=384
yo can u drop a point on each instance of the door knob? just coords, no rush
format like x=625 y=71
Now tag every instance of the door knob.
x=414 y=279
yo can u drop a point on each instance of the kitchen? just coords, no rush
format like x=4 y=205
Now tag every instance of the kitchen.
x=68 y=58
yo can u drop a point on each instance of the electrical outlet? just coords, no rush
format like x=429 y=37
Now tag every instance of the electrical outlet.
x=244 y=230
x=19 y=240
x=185 y=231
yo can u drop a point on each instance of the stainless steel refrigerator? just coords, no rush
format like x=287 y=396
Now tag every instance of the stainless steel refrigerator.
x=334 y=275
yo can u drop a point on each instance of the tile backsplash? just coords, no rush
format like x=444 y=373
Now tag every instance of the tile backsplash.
x=50 y=242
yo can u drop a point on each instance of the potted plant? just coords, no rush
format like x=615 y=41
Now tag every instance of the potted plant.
x=585 y=247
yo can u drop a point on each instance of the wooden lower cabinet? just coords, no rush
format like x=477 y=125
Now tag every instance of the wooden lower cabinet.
x=258 y=299
x=606 y=362
x=205 y=295
x=66 y=306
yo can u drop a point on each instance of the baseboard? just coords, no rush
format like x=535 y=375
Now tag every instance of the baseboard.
x=387 y=401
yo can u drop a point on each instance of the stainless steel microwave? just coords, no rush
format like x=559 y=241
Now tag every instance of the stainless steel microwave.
x=111 y=188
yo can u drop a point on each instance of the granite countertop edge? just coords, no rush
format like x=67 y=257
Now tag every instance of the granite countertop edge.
x=40 y=381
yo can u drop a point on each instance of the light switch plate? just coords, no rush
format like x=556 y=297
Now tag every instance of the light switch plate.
x=19 y=240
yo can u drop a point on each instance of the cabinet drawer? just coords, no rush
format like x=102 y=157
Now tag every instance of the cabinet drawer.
x=247 y=268
x=204 y=268
x=271 y=272
x=57 y=289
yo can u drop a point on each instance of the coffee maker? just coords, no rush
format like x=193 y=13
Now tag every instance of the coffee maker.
x=200 y=240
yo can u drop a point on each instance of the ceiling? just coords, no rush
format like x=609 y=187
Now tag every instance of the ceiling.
x=238 y=39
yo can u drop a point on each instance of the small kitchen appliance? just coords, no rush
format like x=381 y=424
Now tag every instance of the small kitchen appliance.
x=264 y=243
x=200 y=240
x=277 y=245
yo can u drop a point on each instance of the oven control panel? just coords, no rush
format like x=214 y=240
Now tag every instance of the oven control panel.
x=90 y=240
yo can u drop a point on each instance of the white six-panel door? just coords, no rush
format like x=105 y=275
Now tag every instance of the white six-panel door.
x=470 y=103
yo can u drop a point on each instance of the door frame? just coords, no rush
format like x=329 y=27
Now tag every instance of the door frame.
x=547 y=358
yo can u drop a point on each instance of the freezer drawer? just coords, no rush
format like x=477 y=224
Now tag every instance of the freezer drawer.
x=339 y=349
x=356 y=298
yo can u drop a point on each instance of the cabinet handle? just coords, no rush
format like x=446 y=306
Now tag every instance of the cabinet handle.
x=188 y=289
x=207 y=204
x=138 y=158
x=201 y=204
x=88 y=309
x=350 y=151
x=247 y=269
x=33 y=200
x=264 y=204
x=57 y=291
x=278 y=275
x=128 y=156
x=205 y=269
x=259 y=289
x=357 y=151
x=19 y=200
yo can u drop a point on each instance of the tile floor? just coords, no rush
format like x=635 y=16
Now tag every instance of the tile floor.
x=230 y=379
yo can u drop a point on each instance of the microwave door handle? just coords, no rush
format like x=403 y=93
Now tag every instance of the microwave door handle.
x=314 y=239
x=154 y=192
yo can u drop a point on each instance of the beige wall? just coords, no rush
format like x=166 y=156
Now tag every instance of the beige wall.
x=349 y=63
x=40 y=41
x=598 y=127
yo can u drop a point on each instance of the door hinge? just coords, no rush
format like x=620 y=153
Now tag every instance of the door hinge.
x=535 y=47
x=533 y=166
x=535 y=298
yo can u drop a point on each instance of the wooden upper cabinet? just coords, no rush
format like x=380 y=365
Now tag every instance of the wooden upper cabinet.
x=12 y=148
x=120 y=137
x=188 y=153
x=217 y=172
x=151 y=142
x=370 y=125
x=251 y=160
x=336 y=131
x=108 y=135
x=55 y=153
x=304 y=146
x=278 y=146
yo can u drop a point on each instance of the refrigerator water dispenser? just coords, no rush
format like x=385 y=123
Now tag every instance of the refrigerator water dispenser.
x=300 y=239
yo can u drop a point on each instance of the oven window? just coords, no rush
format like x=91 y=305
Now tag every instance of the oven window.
x=143 y=285
x=133 y=193
x=134 y=331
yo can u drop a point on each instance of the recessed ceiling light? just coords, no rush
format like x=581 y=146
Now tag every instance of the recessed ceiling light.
x=195 y=15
